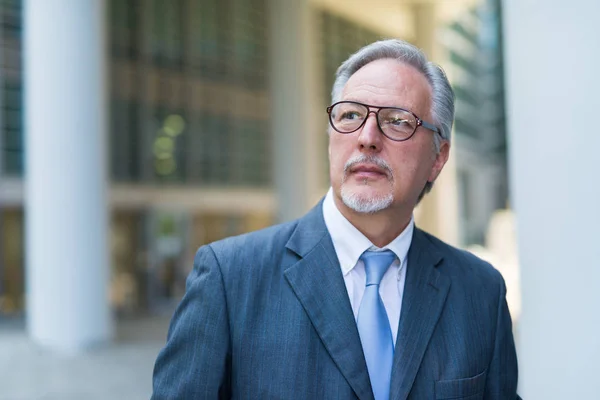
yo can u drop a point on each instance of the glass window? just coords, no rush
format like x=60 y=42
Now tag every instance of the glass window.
x=207 y=66
x=11 y=125
x=479 y=127
x=124 y=23
x=167 y=33
x=124 y=154
x=11 y=261
x=129 y=262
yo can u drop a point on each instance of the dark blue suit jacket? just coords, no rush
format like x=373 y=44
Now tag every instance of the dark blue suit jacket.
x=266 y=315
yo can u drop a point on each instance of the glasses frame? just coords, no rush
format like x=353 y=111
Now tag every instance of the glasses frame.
x=420 y=122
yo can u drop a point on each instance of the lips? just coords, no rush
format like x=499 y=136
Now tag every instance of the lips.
x=367 y=169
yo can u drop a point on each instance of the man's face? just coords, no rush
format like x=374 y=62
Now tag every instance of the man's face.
x=370 y=172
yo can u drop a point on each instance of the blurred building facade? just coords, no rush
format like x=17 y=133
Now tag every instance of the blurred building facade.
x=217 y=126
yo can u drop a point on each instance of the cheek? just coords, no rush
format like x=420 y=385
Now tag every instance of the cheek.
x=336 y=157
x=410 y=169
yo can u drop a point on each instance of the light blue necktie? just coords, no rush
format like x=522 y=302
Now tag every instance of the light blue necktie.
x=374 y=326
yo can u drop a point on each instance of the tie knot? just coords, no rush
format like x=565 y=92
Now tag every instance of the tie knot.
x=376 y=263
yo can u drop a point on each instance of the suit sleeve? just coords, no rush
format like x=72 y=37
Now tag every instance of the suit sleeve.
x=502 y=374
x=195 y=363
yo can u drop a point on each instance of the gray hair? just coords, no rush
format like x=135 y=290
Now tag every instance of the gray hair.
x=442 y=105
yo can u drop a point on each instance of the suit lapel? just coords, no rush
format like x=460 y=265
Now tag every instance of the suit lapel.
x=317 y=282
x=425 y=293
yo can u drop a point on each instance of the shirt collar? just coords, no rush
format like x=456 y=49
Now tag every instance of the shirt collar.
x=350 y=243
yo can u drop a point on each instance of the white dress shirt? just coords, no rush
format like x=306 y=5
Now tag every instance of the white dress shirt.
x=350 y=243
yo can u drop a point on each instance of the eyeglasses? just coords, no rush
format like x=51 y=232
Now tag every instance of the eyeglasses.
x=395 y=123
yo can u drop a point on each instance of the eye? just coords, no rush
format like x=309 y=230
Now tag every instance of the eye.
x=350 y=115
x=398 y=121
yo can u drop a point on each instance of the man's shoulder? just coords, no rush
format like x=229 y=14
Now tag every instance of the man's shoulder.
x=462 y=264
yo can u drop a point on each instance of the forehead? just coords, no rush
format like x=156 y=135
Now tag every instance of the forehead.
x=391 y=83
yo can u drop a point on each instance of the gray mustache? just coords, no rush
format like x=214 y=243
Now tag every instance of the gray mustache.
x=368 y=159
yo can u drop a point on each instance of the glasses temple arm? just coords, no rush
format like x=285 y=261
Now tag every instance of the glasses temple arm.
x=431 y=127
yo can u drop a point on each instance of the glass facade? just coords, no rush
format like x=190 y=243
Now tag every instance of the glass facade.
x=476 y=56
x=189 y=92
x=11 y=115
x=189 y=102
x=189 y=106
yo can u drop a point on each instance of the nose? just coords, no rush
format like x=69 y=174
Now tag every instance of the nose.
x=370 y=137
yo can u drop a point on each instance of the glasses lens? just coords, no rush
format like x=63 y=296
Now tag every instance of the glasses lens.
x=347 y=117
x=397 y=124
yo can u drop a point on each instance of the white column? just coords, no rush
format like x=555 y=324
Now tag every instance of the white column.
x=552 y=58
x=296 y=122
x=66 y=180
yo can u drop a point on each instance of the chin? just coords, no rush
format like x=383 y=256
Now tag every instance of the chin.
x=365 y=199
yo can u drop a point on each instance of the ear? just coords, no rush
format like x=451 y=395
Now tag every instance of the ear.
x=440 y=161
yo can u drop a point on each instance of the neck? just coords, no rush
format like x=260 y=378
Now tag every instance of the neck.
x=382 y=227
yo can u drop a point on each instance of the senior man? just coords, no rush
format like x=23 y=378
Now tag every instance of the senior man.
x=352 y=300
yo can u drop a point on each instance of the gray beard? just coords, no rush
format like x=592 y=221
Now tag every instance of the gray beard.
x=365 y=204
